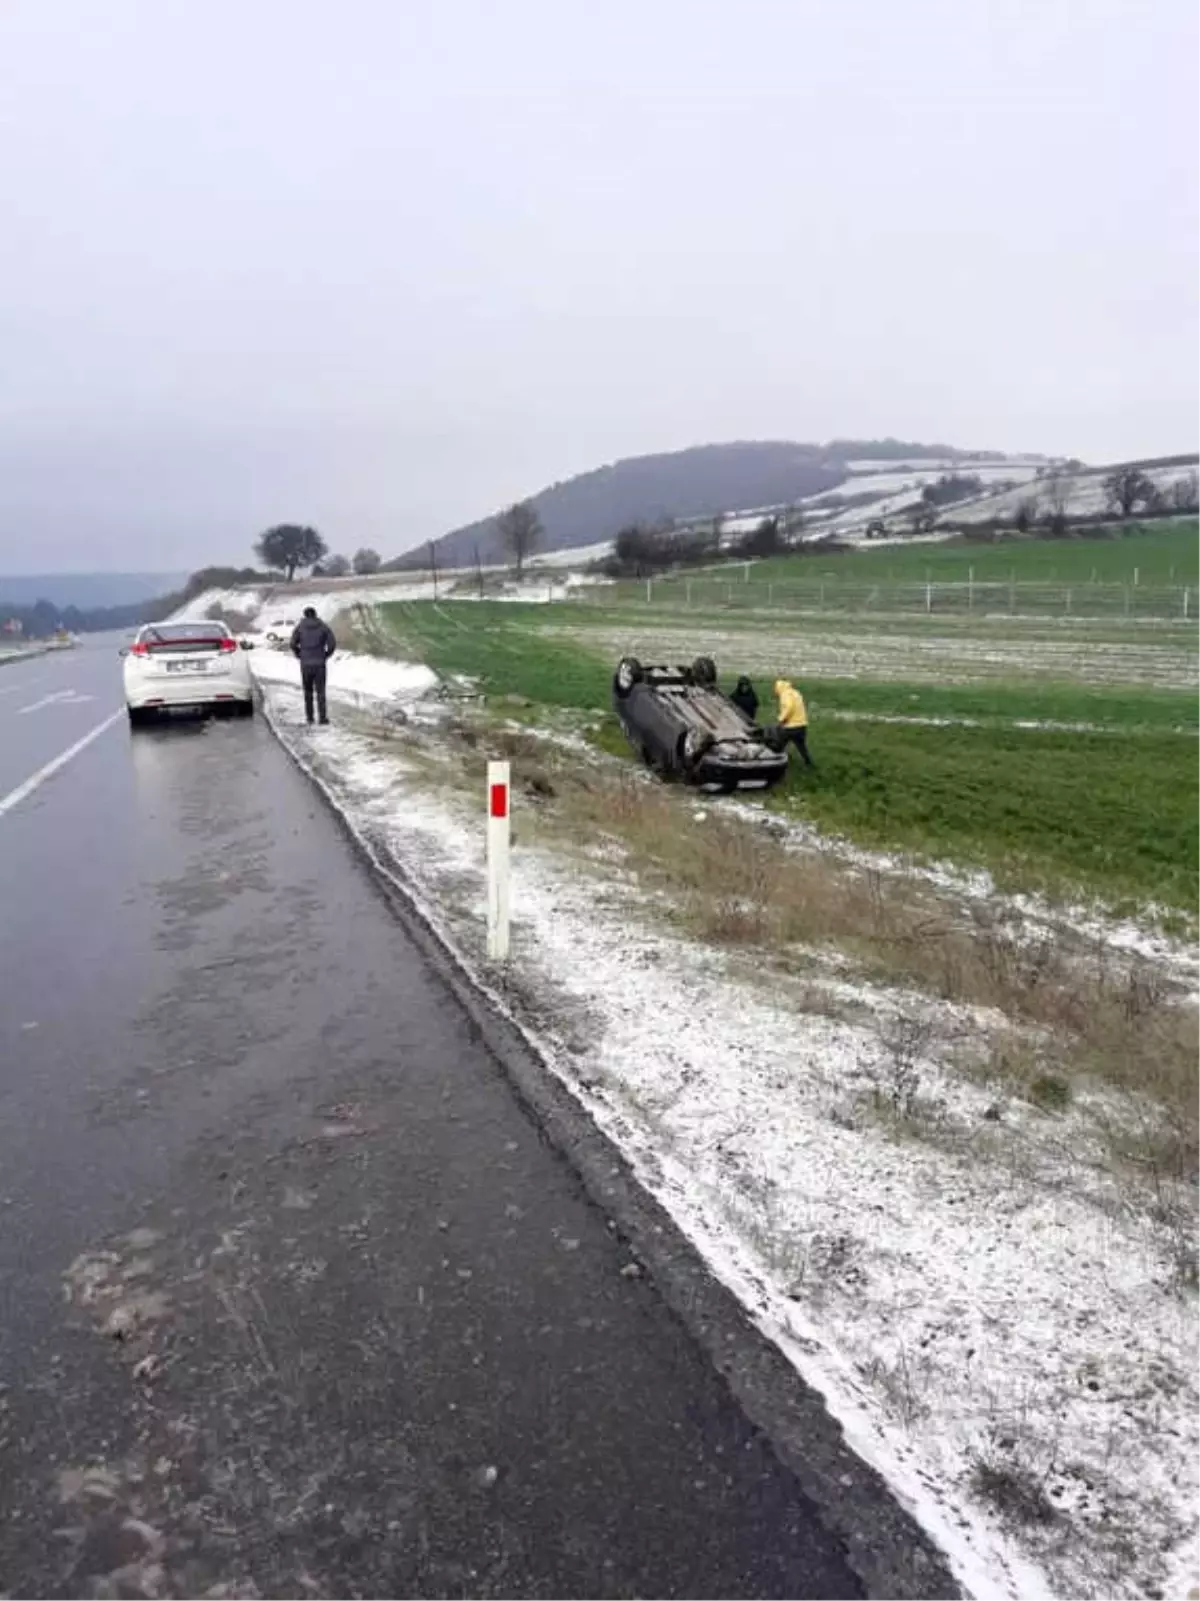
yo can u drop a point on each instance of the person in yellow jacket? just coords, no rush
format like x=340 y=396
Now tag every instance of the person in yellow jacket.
x=793 y=719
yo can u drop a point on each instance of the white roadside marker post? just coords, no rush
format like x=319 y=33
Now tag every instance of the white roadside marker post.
x=497 y=860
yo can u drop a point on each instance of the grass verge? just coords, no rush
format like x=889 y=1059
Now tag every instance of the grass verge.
x=1107 y=814
x=1056 y=1028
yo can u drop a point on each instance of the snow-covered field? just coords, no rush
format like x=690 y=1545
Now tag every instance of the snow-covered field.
x=1084 y=491
x=1007 y=485
x=280 y=602
x=579 y=556
x=896 y=489
x=833 y=649
x=974 y=1308
x=279 y=607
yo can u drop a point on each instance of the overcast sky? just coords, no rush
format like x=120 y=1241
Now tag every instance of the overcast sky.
x=384 y=265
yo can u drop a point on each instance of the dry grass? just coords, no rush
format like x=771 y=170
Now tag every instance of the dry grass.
x=1067 y=1019
x=1013 y=1491
x=1099 y=1022
x=905 y=1382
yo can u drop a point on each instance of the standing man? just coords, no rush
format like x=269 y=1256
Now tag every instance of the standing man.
x=313 y=644
x=793 y=719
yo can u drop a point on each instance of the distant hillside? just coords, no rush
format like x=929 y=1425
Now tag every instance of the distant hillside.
x=699 y=482
x=88 y=591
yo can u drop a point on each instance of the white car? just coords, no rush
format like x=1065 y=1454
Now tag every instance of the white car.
x=196 y=665
x=278 y=633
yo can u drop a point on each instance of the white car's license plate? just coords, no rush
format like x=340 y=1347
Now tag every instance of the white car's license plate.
x=187 y=667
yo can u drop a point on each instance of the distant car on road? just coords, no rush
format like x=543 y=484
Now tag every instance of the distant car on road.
x=683 y=727
x=194 y=665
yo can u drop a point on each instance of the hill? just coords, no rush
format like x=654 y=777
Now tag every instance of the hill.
x=700 y=482
x=87 y=591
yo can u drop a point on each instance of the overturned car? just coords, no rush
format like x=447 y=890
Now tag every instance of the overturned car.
x=685 y=728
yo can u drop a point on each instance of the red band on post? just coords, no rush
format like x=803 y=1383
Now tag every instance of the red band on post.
x=499 y=806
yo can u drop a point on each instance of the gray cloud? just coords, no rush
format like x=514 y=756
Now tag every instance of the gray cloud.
x=383 y=265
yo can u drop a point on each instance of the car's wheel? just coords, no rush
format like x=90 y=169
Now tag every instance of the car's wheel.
x=245 y=708
x=629 y=672
x=704 y=671
x=140 y=716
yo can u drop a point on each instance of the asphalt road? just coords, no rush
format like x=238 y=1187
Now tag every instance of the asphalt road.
x=295 y=1299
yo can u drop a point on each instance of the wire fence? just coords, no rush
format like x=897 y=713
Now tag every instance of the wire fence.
x=1175 y=603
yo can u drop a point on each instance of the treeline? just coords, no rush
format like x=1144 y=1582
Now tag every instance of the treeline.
x=642 y=551
x=44 y=618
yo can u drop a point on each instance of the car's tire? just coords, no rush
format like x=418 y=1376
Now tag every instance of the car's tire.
x=140 y=716
x=629 y=672
x=245 y=708
x=704 y=671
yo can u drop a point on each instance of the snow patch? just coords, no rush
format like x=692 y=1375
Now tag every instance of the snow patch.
x=350 y=676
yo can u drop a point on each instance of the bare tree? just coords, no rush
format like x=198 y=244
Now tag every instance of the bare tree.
x=1126 y=488
x=520 y=529
x=1185 y=492
x=765 y=540
x=1027 y=513
x=337 y=566
x=634 y=550
x=793 y=523
x=922 y=517
x=1059 y=490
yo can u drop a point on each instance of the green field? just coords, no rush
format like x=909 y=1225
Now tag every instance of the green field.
x=1145 y=572
x=1110 y=811
x=1158 y=553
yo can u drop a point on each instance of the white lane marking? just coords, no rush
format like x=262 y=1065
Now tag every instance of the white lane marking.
x=48 y=700
x=12 y=689
x=36 y=780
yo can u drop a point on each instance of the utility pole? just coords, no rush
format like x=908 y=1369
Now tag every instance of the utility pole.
x=478 y=570
x=433 y=565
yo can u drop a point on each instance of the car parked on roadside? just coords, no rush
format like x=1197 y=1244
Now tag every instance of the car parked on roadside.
x=278 y=632
x=186 y=665
x=683 y=727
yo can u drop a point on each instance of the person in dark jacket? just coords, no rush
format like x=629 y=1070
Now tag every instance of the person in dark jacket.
x=745 y=698
x=313 y=644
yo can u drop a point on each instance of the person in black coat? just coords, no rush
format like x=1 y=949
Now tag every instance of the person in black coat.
x=313 y=644
x=745 y=699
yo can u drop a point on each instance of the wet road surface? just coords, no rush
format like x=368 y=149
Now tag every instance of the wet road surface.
x=296 y=1299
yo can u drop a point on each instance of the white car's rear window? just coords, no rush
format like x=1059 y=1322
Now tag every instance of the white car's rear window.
x=184 y=636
